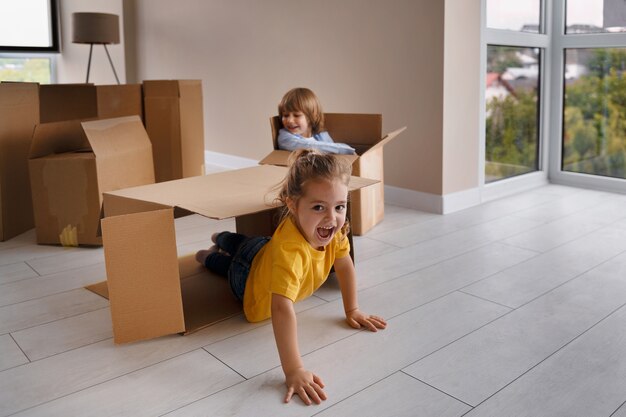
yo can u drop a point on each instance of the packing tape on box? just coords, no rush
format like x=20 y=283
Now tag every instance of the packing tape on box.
x=69 y=236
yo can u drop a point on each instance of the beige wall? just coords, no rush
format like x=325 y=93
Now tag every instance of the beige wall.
x=367 y=56
x=72 y=62
x=461 y=96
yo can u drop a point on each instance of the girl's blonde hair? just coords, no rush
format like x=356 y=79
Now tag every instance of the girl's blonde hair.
x=308 y=165
x=305 y=101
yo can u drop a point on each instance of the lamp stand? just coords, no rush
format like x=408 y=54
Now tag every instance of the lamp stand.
x=110 y=62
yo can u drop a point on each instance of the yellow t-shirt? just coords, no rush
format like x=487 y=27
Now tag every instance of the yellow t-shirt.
x=288 y=265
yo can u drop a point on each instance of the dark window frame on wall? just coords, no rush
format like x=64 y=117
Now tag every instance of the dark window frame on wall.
x=54 y=46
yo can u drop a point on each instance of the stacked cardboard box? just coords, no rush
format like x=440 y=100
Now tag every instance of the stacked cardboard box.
x=22 y=107
x=174 y=121
x=364 y=133
x=19 y=113
x=72 y=163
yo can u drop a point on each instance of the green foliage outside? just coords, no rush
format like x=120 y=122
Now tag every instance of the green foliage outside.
x=511 y=135
x=594 y=124
x=594 y=133
x=27 y=69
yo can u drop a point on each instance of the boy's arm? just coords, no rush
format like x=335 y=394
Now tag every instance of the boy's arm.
x=291 y=142
x=299 y=381
x=346 y=274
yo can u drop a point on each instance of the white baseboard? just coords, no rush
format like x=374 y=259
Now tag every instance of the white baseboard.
x=432 y=203
x=227 y=161
x=416 y=200
x=513 y=185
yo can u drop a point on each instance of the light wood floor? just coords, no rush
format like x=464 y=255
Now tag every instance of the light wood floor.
x=513 y=308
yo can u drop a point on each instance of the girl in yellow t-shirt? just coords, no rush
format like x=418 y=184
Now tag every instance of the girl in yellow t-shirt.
x=270 y=275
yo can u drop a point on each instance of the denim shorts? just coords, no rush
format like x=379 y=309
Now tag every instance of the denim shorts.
x=242 y=261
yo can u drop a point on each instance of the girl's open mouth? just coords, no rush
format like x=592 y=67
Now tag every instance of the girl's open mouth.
x=325 y=232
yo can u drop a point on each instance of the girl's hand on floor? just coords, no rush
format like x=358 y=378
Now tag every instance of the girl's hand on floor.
x=305 y=384
x=356 y=318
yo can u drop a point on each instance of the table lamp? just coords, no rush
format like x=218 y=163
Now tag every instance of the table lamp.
x=96 y=28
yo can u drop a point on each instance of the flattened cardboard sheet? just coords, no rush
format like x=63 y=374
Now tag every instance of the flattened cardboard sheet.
x=148 y=236
x=221 y=195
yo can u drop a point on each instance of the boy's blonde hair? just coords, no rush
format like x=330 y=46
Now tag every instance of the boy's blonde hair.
x=308 y=165
x=305 y=101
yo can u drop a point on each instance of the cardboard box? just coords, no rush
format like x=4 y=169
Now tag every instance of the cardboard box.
x=19 y=113
x=72 y=163
x=59 y=102
x=119 y=101
x=153 y=292
x=175 y=123
x=364 y=133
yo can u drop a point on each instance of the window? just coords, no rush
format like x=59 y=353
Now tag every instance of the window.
x=555 y=93
x=523 y=16
x=512 y=112
x=589 y=101
x=515 y=45
x=28 y=40
x=594 y=112
x=585 y=16
x=28 y=26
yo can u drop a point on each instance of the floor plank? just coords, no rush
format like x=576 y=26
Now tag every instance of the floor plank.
x=479 y=365
x=576 y=381
x=398 y=395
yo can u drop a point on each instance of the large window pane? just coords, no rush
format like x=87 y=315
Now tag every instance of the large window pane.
x=28 y=26
x=511 y=95
x=595 y=16
x=26 y=69
x=518 y=15
x=594 y=116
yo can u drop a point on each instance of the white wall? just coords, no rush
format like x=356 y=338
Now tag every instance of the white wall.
x=72 y=62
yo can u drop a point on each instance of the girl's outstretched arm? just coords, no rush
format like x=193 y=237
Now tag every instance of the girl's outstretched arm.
x=344 y=269
x=299 y=381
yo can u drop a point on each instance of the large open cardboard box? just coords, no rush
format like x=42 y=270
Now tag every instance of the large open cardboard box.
x=72 y=163
x=364 y=133
x=175 y=123
x=154 y=293
x=19 y=113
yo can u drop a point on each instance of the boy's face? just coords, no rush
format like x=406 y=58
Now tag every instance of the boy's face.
x=297 y=123
x=321 y=211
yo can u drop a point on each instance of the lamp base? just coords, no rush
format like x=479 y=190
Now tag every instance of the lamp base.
x=110 y=62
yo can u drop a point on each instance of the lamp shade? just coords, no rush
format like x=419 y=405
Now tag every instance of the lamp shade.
x=101 y=28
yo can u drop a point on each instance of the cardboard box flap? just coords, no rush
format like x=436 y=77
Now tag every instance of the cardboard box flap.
x=146 y=301
x=57 y=137
x=388 y=137
x=123 y=152
x=281 y=158
x=362 y=129
x=109 y=136
x=228 y=194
